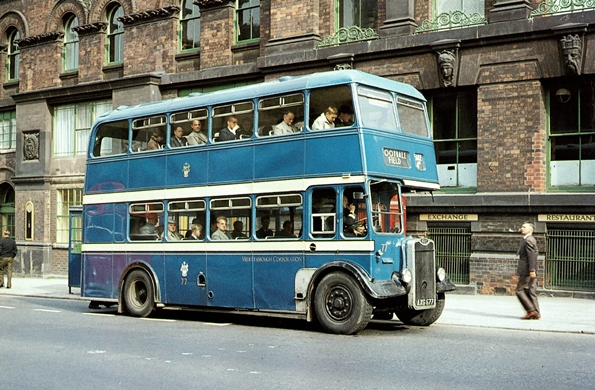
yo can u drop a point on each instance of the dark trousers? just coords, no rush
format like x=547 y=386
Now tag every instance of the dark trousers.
x=6 y=266
x=526 y=290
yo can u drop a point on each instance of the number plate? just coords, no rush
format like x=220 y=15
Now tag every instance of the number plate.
x=425 y=302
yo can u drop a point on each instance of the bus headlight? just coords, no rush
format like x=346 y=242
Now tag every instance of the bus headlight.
x=440 y=274
x=406 y=276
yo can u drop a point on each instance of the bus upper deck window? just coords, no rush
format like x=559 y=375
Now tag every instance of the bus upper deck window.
x=233 y=121
x=412 y=117
x=193 y=124
x=281 y=115
x=148 y=133
x=337 y=100
x=377 y=109
x=111 y=138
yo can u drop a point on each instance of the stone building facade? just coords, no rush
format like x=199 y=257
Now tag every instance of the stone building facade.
x=502 y=78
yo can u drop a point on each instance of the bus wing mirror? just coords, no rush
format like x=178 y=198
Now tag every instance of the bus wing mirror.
x=358 y=195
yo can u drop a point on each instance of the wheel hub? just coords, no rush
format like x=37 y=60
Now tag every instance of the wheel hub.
x=338 y=303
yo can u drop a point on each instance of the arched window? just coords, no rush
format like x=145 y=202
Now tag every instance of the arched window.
x=70 y=55
x=7 y=208
x=189 y=26
x=12 y=55
x=115 y=34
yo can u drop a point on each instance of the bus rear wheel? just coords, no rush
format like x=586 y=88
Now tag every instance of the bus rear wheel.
x=340 y=304
x=139 y=294
x=422 y=317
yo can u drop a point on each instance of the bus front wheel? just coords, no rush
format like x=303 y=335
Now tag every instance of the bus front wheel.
x=340 y=304
x=139 y=294
x=422 y=317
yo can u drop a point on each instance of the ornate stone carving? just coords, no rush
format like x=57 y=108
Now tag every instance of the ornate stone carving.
x=146 y=16
x=40 y=39
x=447 y=63
x=348 y=35
x=572 y=54
x=31 y=146
x=343 y=66
x=91 y=28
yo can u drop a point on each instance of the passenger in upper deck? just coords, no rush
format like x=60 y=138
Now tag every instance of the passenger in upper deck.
x=326 y=120
x=196 y=137
x=286 y=125
x=230 y=132
x=345 y=117
x=156 y=140
x=178 y=138
x=245 y=130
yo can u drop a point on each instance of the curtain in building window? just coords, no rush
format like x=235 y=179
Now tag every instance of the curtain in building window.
x=63 y=131
x=7 y=130
x=13 y=56
x=360 y=13
x=190 y=25
x=469 y=7
x=71 y=45
x=115 y=35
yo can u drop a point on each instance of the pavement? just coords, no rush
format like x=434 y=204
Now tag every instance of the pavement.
x=566 y=315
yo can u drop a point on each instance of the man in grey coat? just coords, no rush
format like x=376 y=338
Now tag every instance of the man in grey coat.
x=526 y=289
x=8 y=251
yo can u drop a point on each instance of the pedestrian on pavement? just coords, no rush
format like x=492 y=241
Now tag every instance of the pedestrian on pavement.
x=8 y=251
x=526 y=289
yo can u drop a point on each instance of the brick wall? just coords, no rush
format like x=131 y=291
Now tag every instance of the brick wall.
x=216 y=36
x=511 y=137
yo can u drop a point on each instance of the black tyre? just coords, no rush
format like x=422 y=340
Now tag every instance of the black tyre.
x=139 y=296
x=422 y=317
x=340 y=304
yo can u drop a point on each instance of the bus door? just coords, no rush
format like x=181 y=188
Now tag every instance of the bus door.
x=278 y=250
x=229 y=257
x=387 y=225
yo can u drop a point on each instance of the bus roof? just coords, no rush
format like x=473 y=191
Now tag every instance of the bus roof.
x=282 y=85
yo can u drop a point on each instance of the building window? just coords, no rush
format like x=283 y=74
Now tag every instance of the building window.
x=189 y=26
x=454 y=125
x=247 y=20
x=12 y=55
x=572 y=133
x=468 y=7
x=72 y=126
x=115 y=35
x=70 y=55
x=7 y=208
x=8 y=130
x=66 y=199
x=360 y=13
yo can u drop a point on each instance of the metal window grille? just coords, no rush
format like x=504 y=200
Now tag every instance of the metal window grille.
x=453 y=249
x=570 y=260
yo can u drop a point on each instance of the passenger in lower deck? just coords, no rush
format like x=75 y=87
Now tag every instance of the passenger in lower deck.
x=221 y=232
x=287 y=230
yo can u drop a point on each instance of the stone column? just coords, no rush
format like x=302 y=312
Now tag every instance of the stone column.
x=507 y=10
x=400 y=18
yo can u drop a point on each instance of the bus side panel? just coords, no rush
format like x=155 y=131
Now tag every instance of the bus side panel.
x=187 y=167
x=153 y=261
x=268 y=165
x=181 y=283
x=274 y=278
x=333 y=155
x=229 y=280
x=104 y=177
x=147 y=173
x=99 y=223
x=231 y=166
x=384 y=158
x=98 y=276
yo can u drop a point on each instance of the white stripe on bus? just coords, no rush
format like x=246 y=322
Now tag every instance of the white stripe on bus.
x=221 y=190
x=277 y=246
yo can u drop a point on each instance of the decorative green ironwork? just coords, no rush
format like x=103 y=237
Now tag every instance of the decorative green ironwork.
x=348 y=35
x=450 y=20
x=549 y=7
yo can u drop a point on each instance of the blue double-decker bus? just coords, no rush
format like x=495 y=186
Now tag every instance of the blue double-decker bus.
x=284 y=197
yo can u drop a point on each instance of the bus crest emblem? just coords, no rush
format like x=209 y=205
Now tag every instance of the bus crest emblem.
x=186 y=169
x=184 y=271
